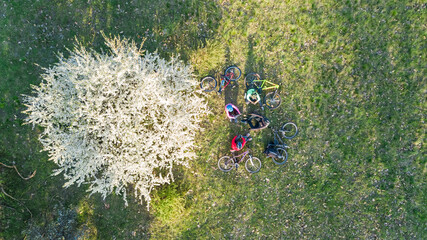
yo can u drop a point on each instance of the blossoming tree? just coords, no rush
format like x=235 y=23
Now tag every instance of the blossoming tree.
x=118 y=119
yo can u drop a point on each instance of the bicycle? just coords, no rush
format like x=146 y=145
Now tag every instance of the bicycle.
x=271 y=99
x=277 y=149
x=252 y=164
x=231 y=74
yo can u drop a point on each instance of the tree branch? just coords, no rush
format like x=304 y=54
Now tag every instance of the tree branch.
x=16 y=169
x=20 y=203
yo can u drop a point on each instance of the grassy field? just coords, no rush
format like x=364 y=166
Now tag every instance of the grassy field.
x=353 y=80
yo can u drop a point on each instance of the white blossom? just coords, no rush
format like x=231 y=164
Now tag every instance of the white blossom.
x=118 y=119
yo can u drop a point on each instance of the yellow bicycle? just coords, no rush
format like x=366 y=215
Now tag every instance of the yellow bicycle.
x=271 y=99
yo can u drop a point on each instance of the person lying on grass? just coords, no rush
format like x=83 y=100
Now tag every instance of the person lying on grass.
x=256 y=121
x=252 y=96
x=239 y=142
x=232 y=112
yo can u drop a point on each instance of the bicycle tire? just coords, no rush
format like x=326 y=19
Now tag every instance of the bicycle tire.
x=283 y=159
x=234 y=72
x=272 y=100
x=225 y=163
x=253 y=165
x=289 y=130
x=250 y=78
x=208 y=84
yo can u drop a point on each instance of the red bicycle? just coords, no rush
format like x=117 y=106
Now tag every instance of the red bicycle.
x=231 y=74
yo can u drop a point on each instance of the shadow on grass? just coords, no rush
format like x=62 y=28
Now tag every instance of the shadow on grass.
x=253 y=62
x=34 y=32
x=367 y=111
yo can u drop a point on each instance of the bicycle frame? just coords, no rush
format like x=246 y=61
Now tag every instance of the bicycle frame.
x=244 y=155
x=278 y=142
x=265 y=82
x=222 y=86
x=225 y=79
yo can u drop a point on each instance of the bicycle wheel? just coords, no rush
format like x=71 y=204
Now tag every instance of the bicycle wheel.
x=208 y=84
x=249 y=80
x=253 y=164
x=283 y=156
x=225 y=164
x=272 y=100
x=233 y=73
x=289 y=130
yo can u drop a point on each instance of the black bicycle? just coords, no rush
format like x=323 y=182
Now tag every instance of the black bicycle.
x=277 y=149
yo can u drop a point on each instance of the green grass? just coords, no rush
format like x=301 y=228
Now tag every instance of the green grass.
x=353 y=80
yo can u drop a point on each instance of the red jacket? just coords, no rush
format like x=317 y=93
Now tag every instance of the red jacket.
x=234 y=143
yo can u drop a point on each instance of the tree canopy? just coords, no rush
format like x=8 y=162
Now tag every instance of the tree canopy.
x=117 y=118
